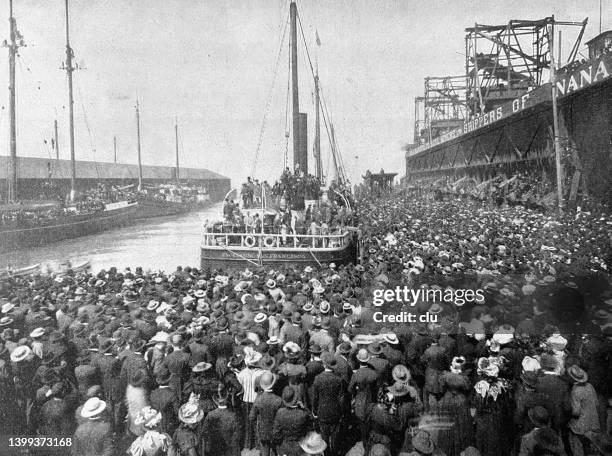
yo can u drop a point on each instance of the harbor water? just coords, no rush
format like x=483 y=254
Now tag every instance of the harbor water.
x=154 y=244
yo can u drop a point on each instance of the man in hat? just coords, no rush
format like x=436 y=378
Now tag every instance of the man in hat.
x=133 y=360
x=264 y=410
x=320 y=334
x=165 y=400
x=291 y=424
x=313 y=368
x=177 y=363
x=542 y=439
x=329 y=401
x=343 y=368
x=220 y=429
x=362 y=387
x=585 y=418
x=108 y=368
x=94 y=437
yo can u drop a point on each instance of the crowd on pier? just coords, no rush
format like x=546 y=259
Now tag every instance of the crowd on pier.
x=299 y=361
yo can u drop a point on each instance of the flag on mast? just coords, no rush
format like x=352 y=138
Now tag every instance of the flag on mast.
x=317 y=38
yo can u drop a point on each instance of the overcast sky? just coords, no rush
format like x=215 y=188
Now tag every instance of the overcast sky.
x=211 y=64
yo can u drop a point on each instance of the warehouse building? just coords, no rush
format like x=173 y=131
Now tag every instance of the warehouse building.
x=36 y=175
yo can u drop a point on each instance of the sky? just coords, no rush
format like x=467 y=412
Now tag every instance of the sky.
x=211 y=65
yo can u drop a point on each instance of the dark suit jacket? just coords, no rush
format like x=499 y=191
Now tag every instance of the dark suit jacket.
x=362 y=387
x=328 y=392
x=343 y=369
x=290 y=425
x=220 y=431
x=93 y=438
x=556 y=392
x=167 y=402
x=263 y=413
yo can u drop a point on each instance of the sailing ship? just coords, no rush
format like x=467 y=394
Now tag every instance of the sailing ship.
x=223 y=247
x=71 y=223
x=166 y=200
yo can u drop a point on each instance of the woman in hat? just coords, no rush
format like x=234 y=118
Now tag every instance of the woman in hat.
x=154 y=442
x=491 y=406
x=203 y=383
x=187 y=436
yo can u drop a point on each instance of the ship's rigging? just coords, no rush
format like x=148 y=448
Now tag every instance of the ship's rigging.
x=296 y=129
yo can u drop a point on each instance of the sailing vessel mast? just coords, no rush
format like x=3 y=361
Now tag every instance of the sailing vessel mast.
x=317 y=140
x=138 y=145
x=297 y=159
x=56 y=139
x=13 y=47
x=69 y=67
x=176 y=146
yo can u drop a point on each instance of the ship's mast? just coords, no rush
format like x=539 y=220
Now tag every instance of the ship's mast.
x=317 y=140
x=13 y=47
x=69 y=70
x=294 y=86
x=138 y=145
x=114 y=149
x=56 y=139
x=176 y=147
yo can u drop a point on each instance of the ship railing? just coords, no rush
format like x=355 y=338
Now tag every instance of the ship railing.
x=276 y=240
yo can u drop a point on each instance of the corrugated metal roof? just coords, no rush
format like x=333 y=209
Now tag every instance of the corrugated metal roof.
x=37 y=168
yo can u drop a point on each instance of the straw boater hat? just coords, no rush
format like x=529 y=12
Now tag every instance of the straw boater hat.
x=273 y=340
x=20 y=353
x=38 y=332
x=148 y=417
x=260 y=317
x=7 y=307
x=313 y=443
x=391 y=338
x=577 y=374
x=153 y=304
x=201 y=367
x=93 y=408
x=5 y=321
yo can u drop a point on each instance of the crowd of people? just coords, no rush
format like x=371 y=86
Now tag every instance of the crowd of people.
x=289 y=191
x=295 y=361
x=87 y=202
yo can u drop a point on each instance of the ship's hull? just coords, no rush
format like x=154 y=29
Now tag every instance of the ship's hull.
x=68 y=228
x=161 y=208
x=241 y=257
x=521 y=133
